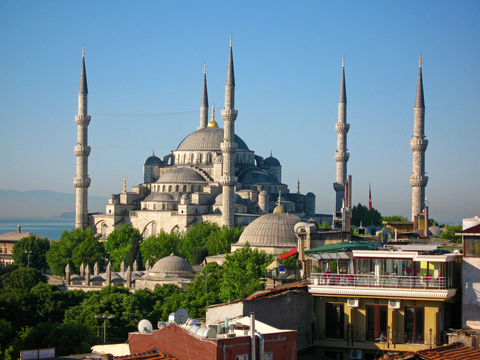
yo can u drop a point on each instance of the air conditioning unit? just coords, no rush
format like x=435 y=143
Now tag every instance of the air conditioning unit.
x=352 y=302
x=356 y=354
x=394 y=304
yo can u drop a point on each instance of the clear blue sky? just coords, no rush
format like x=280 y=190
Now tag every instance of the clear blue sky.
x=145 y=68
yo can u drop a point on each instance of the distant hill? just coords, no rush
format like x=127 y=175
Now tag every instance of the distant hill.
x=43 y=203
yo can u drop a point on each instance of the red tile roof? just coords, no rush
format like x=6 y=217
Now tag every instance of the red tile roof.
x=455 y=351
x=147 y=356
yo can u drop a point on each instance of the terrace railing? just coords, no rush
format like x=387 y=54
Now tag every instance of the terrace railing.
x=382 y=281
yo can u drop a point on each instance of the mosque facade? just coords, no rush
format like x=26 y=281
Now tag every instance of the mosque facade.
x=212 y=176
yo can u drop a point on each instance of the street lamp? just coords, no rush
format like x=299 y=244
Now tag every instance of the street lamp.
x=28 y=257
x=206 y=281
x=104 y=317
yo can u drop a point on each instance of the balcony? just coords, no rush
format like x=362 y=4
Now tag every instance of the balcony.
x=381 y=285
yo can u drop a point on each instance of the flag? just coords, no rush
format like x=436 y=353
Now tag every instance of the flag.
x=369 y=197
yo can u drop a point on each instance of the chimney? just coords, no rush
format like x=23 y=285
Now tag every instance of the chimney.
x=252 y=333
x=19 y=229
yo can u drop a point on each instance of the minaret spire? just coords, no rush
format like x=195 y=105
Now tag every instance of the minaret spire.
x=204 y=102
x=419 y=144
x=341 y=154
x=82 y=151
x=229 y=147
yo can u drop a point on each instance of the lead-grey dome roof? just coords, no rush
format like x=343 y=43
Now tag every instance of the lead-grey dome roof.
x=155 y=196
x=153 y=160
x=172 y=265
x=257 y=176
x=181 y=175
x=272 y=230
x=208 y=139
x=271 y=161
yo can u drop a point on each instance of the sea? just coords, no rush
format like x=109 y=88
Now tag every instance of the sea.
x=50 y=228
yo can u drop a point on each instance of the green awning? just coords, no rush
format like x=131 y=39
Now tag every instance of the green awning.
x=342 y=247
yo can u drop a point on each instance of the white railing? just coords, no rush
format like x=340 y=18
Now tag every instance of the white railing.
x=382 y=281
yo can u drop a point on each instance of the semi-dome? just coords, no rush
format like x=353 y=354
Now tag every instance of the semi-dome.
x=155 y=196
x=181 y=175
x=271 y=230
x=172 y=265
x=257 y=176
x=271 y=161
x=208 y=138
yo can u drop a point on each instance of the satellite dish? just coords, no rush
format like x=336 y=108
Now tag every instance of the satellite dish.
x=161 y=324
x=145 y=327
x=181 y=316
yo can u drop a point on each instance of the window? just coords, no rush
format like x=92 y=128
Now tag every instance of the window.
x=414 y=320
x=376 y=322
x=334 y=320
x=472 y=246
x=241 y=357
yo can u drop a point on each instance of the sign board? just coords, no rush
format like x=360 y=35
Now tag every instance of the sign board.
x=282 y=269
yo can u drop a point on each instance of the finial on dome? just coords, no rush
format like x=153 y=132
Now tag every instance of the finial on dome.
x=212 y=122
x=271 y=154
x=125 y=184
x=298 y=187
x=420 y=62
x=279 y=209
x=153 y=152
x=231 y=40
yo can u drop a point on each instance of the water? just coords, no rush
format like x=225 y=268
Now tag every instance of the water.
x=50 y=228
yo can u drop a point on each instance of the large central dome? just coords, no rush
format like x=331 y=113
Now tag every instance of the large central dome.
x=208 y=138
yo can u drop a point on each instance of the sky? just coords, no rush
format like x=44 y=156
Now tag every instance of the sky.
x=145 y=62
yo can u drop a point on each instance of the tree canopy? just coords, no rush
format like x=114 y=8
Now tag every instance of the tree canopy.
x=118 y=245
x=156 y=247
x=37 y=248
x=450 y=233
x=362 y=215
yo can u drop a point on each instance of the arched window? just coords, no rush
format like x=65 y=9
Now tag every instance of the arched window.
x=192 y=189
x=169 y=188
x=184 y=188
x=192 y=157
x=184 y=158
x=200 y=158
x=209 y=158
x=176 y=188
x=163 y=189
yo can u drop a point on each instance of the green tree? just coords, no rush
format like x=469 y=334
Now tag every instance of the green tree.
x=394 y=218
x=89 y=251
x=193 y=245
x=156 y=247
x=290 y=262
x=62 y=252
x=24 y=278
x=450 y=233
x=361 y=214
x=326 y=225
x=242 y=272
x=37 y=247
x=220 y=239
x=432 y=222
x=119 y=243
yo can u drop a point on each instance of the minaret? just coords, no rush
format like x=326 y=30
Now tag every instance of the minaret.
x=229 y=147
x=204 y=103
x=419 y=144
x=82 y=150
x=341 y=155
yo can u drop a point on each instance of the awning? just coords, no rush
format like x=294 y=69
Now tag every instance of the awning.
x=273 y=265
x=342 y=247
x=328 y=256
x=292 y=252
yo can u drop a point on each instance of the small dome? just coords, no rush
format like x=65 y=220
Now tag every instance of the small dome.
x=310 y=194
x=155 y=196
x=172 y=265
x=271 y=161
x=238 y=199
x=113 y=196
x=153 y=160
x=274 y=230
x=257 y=176
x=181 y=175
x=185 y=196
x=208 y=138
